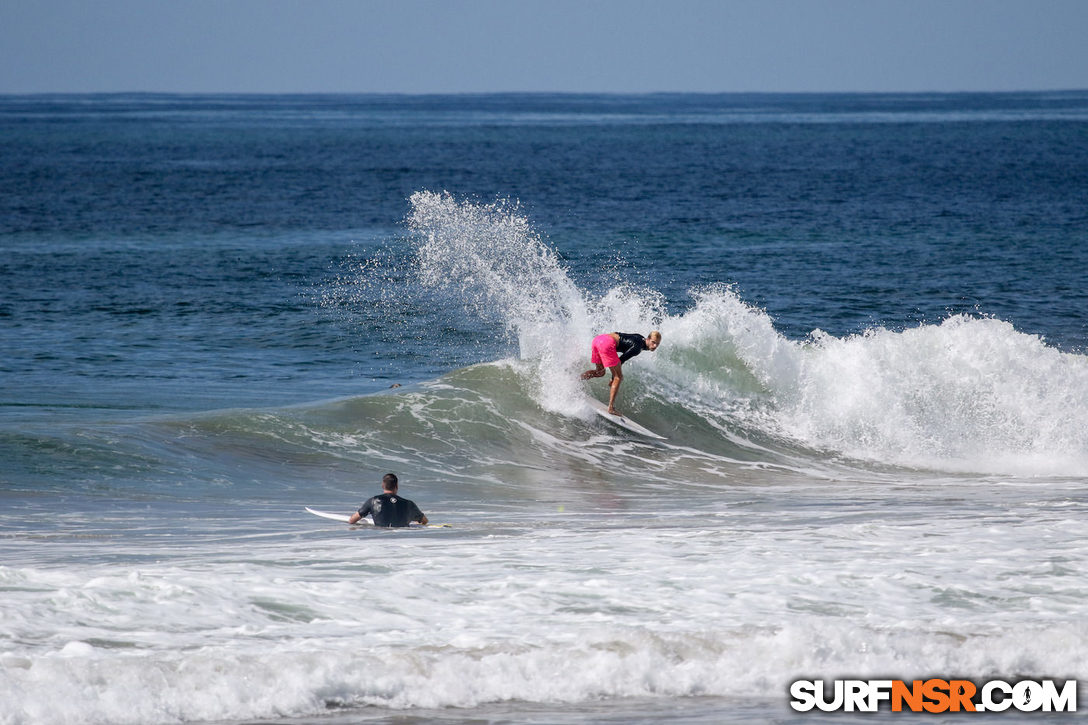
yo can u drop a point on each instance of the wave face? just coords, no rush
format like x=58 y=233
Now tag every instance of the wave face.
x=967 y=394
x=816 y=507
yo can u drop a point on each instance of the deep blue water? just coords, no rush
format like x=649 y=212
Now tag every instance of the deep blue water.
x=204 y=301
x=178 y=239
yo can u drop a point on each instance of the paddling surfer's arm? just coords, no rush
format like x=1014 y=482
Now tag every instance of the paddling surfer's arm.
x=364 y=510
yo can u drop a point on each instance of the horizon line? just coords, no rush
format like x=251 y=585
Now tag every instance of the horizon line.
x=551 y=93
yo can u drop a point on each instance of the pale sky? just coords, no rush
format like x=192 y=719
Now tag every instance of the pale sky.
x=471 y=46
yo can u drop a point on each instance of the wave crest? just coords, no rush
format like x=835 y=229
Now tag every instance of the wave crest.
x=967 y=394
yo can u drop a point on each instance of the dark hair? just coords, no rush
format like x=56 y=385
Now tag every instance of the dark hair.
x=389 y=481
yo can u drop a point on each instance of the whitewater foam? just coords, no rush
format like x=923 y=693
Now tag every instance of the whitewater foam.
x=732 y=606
x=967 y=394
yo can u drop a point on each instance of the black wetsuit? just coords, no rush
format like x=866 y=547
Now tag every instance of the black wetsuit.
x=389 y=509
x=630 y=344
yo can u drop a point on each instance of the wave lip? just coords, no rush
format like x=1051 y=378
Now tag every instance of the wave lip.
x=966 y=395
x=969 y=394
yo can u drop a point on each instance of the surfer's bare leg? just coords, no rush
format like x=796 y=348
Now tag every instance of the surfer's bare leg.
x=598 y=373
x=613 y=388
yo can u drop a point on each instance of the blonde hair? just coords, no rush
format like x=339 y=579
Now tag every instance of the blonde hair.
x=655 y=335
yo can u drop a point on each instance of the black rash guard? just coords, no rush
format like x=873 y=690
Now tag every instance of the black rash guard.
x=389 y=509
x=630 y=344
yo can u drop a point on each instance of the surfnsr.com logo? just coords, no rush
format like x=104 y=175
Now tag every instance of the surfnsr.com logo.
x=934 y=695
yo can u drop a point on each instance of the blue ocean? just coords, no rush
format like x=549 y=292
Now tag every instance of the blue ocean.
x=216 y=311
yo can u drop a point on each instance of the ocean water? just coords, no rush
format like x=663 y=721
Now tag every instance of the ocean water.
x=218 y=310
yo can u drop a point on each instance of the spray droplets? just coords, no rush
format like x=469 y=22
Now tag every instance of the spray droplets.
x=491 y=260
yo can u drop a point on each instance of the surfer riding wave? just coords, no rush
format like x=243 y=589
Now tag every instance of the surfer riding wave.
x=612 y=349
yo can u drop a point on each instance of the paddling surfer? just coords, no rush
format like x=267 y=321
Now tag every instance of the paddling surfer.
x=387 y=508
x=610 y=351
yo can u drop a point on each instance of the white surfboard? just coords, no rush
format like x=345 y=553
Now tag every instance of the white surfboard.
x=601 y=409
x=335 y=517
x=364 y=521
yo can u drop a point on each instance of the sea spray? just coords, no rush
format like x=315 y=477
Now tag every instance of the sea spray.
x=490 y=256
x=968 y=394
x=491 y=261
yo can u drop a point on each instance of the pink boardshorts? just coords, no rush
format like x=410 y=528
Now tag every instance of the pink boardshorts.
x=604 y=351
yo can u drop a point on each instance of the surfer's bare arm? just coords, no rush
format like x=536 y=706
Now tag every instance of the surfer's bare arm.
x=355 y=518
